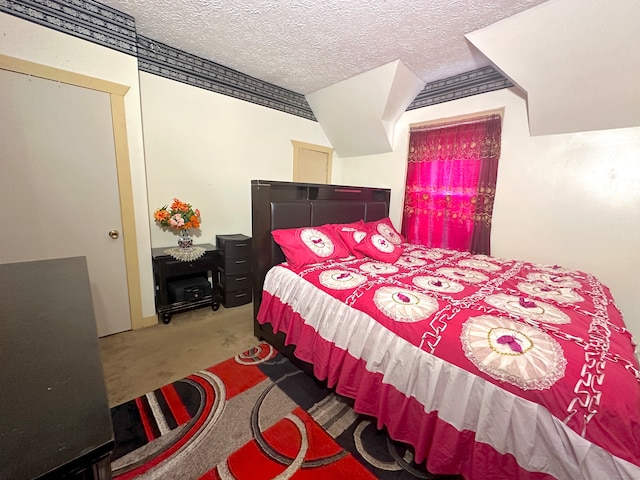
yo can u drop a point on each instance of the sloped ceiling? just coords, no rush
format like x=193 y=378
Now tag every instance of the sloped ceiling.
x=359 y=63
x=307 y=45
x=373 y=101
x=578 y=62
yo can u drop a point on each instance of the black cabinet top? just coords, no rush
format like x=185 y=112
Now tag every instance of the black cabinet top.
x=54 y=408
x=236 y=237
x=235 y=245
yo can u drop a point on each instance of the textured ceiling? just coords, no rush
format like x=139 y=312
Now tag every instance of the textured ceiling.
x=306 y=45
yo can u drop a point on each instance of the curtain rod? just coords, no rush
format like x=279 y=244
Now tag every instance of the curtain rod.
x=481 y=116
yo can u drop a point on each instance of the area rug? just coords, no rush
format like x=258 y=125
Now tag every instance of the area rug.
x=254 y=416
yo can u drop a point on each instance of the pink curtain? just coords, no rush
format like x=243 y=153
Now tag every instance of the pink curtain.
x=451 y=177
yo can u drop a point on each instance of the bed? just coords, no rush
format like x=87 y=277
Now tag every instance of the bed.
x=490 y=368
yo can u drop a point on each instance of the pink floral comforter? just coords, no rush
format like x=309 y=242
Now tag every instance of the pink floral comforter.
x=491 y=368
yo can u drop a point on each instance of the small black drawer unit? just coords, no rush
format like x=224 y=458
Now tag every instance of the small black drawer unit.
x=182 y=286
x=234 y=269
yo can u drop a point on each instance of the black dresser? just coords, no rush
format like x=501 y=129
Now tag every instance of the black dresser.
x=55 y=419
x=234 y=269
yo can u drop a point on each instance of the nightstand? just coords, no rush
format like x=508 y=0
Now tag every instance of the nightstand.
x=234 y=269
x=173 y=279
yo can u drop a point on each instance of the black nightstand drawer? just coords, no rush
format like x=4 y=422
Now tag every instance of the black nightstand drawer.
x=236 y=282
x=235 y=266
x=235 y=298
x=234 y=246
x=176 y=267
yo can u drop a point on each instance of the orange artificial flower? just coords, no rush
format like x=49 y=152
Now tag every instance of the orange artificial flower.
x=161 y=215
x=180 y=216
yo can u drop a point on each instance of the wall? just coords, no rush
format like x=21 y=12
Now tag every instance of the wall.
x=199 y=146
x=28 y=41
x=570 y=199
x=205 y=148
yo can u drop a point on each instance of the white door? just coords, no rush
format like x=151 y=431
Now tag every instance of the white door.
x=59 y=187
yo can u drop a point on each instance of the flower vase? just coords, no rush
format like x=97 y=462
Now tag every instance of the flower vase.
x=185 y=242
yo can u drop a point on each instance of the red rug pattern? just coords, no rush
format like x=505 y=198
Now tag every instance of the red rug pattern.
x=254 y=416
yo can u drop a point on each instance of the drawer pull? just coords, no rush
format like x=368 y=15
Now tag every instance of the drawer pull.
x=241 y=295
x=238 y=245
x=239 y=279
x=240 y=261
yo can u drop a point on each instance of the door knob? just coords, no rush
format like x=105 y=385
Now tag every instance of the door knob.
x=114 y=234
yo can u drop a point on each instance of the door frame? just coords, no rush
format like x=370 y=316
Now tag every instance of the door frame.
x=125 y=189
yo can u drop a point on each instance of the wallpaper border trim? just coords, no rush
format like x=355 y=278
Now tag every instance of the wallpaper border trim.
x=478 y=81
x=106 y=26
x=161 y=59
x=86 y=19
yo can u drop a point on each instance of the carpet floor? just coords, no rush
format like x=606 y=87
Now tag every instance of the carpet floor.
x=254 y=416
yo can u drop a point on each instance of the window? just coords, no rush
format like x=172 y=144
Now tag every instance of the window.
x=451 y=179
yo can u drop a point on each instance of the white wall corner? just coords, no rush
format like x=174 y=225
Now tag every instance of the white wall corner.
x=573 y=59
x=358 y=115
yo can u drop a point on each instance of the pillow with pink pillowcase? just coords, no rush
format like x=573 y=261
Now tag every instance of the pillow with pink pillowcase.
x=376 y=246
x=351 y=235
x=305 y=245
x=385 y=228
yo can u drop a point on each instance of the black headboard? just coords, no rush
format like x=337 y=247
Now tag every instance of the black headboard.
x=277 y=205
